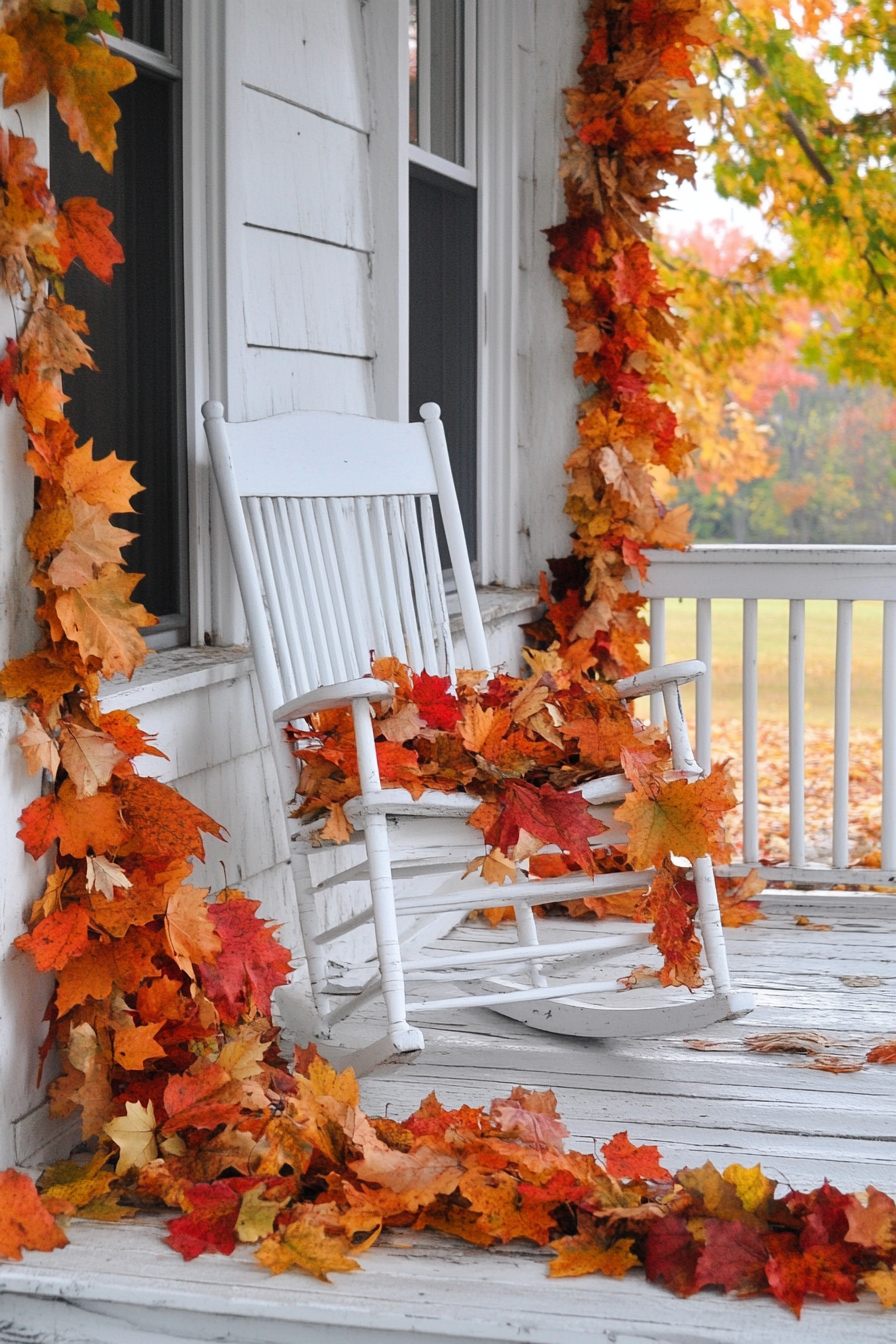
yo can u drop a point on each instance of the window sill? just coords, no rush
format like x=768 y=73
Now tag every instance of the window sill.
x=174 y=672
x=496 y=604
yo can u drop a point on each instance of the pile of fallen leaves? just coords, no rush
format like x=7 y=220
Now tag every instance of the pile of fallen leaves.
x=520 y=746
x=312 y=1181
x=629 y=138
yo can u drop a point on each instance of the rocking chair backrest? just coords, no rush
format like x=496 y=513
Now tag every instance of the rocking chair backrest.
x=330 y=519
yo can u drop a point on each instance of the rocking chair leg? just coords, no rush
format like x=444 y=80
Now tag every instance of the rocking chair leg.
x=711 y=925
x=403 y=1036
x=527 y=933
x=315 y=955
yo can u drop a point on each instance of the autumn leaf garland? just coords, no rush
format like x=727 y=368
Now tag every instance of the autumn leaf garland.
x=148 y=974
x=628 y=117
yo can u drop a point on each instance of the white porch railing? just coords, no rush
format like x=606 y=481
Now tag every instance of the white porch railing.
x=795 y=573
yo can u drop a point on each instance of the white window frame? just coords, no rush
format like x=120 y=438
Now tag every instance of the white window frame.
x=465 y=172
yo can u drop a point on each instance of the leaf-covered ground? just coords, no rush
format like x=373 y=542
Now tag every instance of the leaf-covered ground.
x=774 y=822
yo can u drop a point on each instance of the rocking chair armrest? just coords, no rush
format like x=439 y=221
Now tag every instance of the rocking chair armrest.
x=333 y=697
x=653 y=679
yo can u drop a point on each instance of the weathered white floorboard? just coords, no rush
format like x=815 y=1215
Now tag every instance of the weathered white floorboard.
x=121 y=1285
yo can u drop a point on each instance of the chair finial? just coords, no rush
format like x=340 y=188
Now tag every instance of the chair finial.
x=212 y=410
x=431 y=410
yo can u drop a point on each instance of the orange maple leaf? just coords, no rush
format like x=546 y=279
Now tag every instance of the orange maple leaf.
x=678 y=818
x=135 y=1045
x=100 y=480
x=25 y=1225
x=628 y=1161
x=81 y=75
x=82 y=230
x=58 y=938
x=161 y=821
x=122 y=961
x=192 y=937
x=79 y=824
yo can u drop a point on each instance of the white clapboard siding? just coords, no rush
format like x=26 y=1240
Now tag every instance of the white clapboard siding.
x=305 y=174
x=309 y=52
x=277 y=381
x=304 y=295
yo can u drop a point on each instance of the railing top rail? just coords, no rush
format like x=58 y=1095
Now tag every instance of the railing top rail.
x=855 y=572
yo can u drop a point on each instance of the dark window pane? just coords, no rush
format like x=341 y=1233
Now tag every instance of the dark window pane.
x=446 y=79
x=146 y=22
x=134 y=404
x=443 y=326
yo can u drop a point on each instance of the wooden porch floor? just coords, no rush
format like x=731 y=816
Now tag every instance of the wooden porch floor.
x=120 y=1285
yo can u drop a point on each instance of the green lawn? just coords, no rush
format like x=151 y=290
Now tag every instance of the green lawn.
x=821 y=628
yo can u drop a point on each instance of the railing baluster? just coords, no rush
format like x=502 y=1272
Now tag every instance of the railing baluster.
x=750 y=729
x=842 y=692
x=657 y=655
x=704 y=684
x=796 y=676
x=888 y=807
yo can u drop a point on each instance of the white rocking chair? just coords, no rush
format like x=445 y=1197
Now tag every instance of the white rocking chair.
x=331 y=525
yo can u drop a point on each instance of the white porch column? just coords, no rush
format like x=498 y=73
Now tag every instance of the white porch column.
x=498 y=177
x=386 y=35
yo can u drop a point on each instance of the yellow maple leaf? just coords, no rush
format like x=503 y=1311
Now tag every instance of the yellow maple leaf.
x=90 y=543
x=38 y=747
x=256 y=1216
x=306 y=1244
x=134 y=1134
x=89 y=757
x=882 y=1281
x=100 y=618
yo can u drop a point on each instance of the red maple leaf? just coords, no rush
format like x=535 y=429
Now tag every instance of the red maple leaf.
x=251 y=964
x=671 y=1254
x=210 y=1223
x=432 y=697
x=733 y=1257
x=627 y=1161
x=827 y=1271
x=8 y=370
x=560 y=819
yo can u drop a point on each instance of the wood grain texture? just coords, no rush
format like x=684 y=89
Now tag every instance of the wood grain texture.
x=276 y=381
x=305 y=174
x=308 y=53
x=305 y=295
